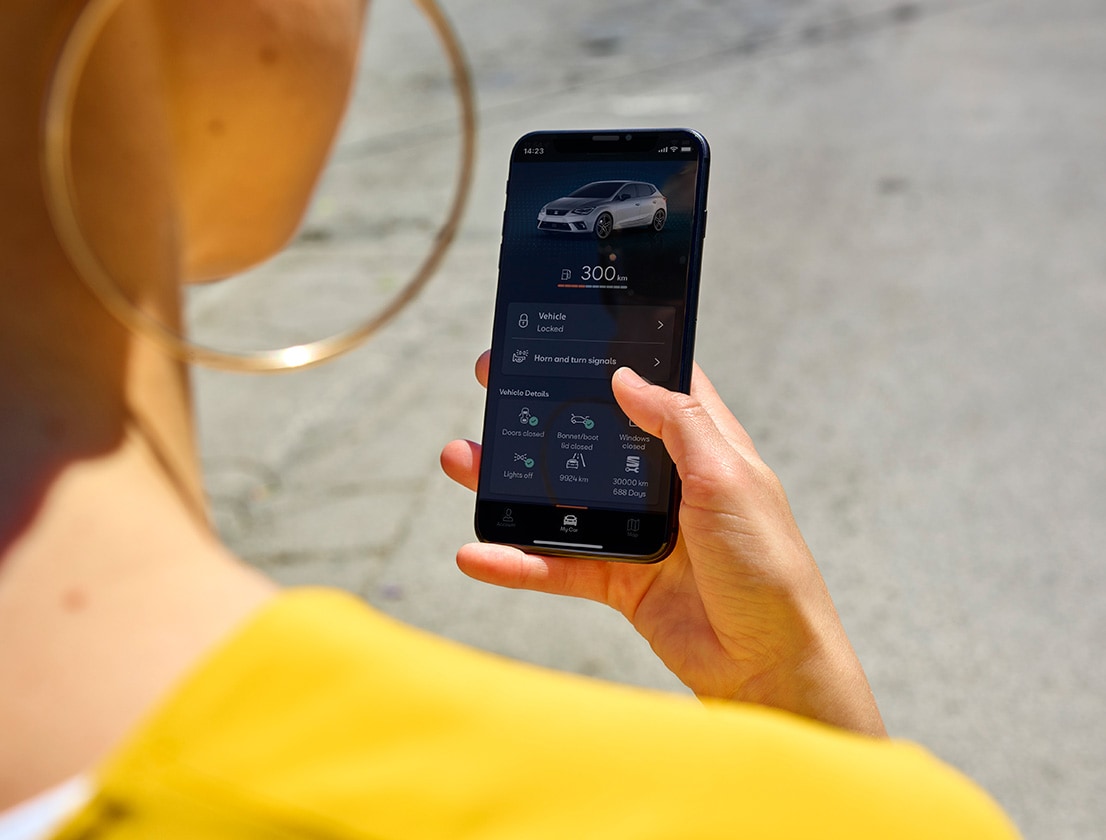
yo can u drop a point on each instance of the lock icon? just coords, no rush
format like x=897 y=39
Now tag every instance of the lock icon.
x=524 y=320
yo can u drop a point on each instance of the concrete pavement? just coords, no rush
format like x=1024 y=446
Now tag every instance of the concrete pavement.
x=903 y=299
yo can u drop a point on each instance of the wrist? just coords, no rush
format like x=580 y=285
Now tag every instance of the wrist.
x=816 y=674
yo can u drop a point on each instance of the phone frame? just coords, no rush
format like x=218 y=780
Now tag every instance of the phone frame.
x=662 y=528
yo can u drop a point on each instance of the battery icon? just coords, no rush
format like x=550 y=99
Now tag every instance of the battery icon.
x=685 y=148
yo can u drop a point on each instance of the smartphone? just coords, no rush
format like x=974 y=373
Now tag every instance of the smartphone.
x=598 y=268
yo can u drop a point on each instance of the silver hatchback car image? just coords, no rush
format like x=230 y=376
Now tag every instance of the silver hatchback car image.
x=603 y=207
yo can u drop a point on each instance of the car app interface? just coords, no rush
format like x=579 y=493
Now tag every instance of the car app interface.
x=594 y=270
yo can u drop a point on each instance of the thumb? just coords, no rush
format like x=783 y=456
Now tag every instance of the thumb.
x=711 y=470
x=734 y=517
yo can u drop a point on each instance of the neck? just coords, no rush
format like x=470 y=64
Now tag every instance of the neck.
x=102 y=532
x=75 y=386
x=108 y=594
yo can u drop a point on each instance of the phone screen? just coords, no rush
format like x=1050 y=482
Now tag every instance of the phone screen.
x=599 y=268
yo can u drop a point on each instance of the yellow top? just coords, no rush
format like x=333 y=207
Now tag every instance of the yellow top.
x=321 y=718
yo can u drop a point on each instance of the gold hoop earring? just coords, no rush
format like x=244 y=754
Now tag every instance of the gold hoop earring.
x=56 y=170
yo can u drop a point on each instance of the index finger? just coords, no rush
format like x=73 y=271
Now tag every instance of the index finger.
x=482 y=365
x=724 y=419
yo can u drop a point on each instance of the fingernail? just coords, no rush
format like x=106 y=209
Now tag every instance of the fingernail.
x=629 y=378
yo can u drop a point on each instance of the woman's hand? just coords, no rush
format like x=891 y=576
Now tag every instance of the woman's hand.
x=739 y=610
